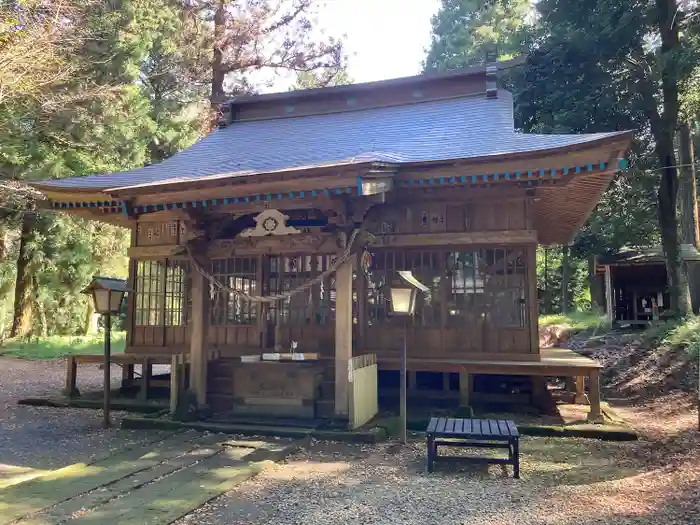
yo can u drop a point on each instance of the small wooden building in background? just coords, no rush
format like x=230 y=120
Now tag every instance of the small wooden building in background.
x=635 y=283
x=430 y=166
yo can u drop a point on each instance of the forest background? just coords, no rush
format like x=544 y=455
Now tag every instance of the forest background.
x=96 y=86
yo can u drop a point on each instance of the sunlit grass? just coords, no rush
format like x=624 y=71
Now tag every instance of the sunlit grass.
x=684 y=333
x=57 y=346
x=575 y=320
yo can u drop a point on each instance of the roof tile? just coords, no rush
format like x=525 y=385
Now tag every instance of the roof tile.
x=458 y=128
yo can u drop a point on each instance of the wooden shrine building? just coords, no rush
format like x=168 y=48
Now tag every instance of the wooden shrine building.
x=636 y=285
x=424 y=173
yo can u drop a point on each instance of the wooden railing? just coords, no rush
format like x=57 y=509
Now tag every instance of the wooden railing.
x=363 y=389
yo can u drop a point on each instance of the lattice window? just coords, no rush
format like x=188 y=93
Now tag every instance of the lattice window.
x=149 y=293
x=487 y=284
x=314 y=305
x=239 y=273
x=466 y=287
x=176 y=307
x=427 y=266
x=161 y=293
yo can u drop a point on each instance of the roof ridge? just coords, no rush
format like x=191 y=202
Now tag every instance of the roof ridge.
x=413 y=102
x=475 y=70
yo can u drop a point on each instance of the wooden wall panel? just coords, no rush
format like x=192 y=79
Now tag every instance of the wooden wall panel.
x=176 y=335
x=158 y=233
x=234 y=335
x=310 y=338
x=442 y=217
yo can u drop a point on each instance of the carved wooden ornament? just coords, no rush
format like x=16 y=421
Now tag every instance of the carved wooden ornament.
x=270 y=222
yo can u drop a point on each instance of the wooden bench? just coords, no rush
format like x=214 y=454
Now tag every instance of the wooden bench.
x=480 y=433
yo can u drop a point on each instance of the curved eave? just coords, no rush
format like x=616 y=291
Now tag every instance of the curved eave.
x=561 y=210
x=251 y=179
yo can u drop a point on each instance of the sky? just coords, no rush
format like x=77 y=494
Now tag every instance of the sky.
x=384 y=38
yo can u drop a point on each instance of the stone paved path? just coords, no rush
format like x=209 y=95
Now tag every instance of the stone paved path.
x=153 y=483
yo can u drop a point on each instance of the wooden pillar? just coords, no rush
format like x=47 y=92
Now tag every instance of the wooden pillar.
x=580 y=397
x=539 y=392
x=609 y=303
x=128 y=374
x=131 y=296
x=146 y=369
x=466 y=388
x=570 y=384
x=198 y=337
x=412 y=381
x=175 y=373
x=446 y=381
x=71 y=377
x=594 y=415
x=343 y=336
x=361 y=291
x=531 y=297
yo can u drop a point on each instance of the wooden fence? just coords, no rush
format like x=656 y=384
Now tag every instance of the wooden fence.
x=363 y=389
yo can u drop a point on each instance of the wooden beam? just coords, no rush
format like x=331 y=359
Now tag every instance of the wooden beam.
x=343 y=337
x=198 y=337
x=500 y=237
x=185 y=193
x=151 y=252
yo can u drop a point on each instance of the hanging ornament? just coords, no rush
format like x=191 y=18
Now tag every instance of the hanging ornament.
x=365 y=262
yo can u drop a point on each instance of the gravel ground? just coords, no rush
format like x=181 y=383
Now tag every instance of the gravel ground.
x=564 y=482
x=45 y=438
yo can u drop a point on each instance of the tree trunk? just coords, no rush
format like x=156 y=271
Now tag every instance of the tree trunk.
x=22 y=315
x=664 y=130
x=42 y=323
x=595 y=285
x=565 y=276
x=689 y=210
x=687 y=189
x=218 y=73
x=89 y=326
x=668 y=222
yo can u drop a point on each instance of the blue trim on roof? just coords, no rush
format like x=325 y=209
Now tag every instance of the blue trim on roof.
x=462 y=179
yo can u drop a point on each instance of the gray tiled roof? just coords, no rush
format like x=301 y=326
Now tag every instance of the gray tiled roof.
x=459 y=128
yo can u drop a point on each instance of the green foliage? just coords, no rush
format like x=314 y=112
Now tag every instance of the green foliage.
x=592 y=66
x=682 y=333
x=56 y=346
x=549 y=281
x=470 y=32
x=578 y=320
x=132 y=98
x=322 y=78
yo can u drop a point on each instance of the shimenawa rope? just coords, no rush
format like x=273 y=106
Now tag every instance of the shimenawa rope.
x=218 y=286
